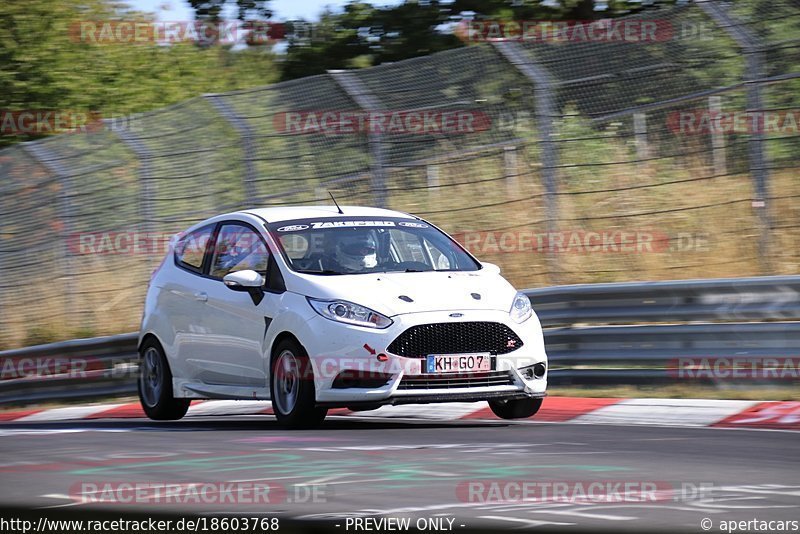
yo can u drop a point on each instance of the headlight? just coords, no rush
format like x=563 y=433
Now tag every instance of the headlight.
x=347 y=312
x=521 y=308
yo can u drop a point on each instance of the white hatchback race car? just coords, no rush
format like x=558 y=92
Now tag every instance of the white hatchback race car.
x=321 y=307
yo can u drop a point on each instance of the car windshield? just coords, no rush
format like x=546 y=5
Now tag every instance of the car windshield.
x=358 y=245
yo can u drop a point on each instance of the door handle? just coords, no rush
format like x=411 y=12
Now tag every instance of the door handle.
x=201 y=296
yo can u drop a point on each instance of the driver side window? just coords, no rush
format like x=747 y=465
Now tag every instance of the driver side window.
x=238 y=248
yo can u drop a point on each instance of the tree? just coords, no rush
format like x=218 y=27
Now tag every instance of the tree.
x=363 y=35
x=246 y=9
x=44 y=67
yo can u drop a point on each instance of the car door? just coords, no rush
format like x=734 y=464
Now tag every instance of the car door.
x=234 y=322
x=183 y=301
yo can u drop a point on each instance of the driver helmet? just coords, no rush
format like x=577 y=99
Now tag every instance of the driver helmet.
x=356 y=250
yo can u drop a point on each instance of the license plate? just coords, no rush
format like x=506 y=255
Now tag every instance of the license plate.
x=458 y=363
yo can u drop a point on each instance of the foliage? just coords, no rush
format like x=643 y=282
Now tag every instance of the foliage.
x=364 y=35
x=44 y=67
x=246 y=9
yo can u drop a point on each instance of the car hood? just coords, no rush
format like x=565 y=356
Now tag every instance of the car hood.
x=427 y=291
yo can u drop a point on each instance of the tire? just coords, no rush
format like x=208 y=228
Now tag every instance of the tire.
x=515 y=409
x=292 y=387
x=155 y=385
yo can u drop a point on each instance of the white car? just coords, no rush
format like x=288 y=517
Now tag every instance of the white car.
x=321 y=307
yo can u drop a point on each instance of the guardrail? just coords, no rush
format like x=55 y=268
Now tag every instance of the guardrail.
x=74 y=369
x=770 y=298
x=597 y=334
x=723 y=321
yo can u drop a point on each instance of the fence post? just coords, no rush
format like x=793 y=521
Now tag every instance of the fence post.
x=245 y=132
x=750 y=45
x=717 y=138
x=39 y=153
x=145 y=175
x=544 y=94
x=367 y=102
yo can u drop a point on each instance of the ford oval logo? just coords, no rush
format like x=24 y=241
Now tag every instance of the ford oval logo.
x=456 y=315
x=293 y=228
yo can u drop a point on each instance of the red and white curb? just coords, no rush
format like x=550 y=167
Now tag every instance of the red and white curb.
x=666 y=412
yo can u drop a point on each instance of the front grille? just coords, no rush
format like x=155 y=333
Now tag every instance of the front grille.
x=493 y=378
x=455 y=338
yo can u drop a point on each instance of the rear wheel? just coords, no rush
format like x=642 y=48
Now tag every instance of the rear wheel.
x=155 y=385
x=292 y=387
x=516 y=408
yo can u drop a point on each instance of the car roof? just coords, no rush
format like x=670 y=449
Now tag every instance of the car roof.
x=308 y=212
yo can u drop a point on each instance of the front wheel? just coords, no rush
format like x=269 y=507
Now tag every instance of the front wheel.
x=292 y=387
x=515 y=409
x=155 y=385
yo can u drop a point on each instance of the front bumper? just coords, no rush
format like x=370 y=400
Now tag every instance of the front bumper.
x=334 y=348
x=432 y=398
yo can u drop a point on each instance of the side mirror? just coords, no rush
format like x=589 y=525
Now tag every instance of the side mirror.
x=490 y=267
x=249 y=281
x=243 y=280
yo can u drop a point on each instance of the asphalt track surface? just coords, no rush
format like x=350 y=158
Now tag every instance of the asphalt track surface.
x=415 y=469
